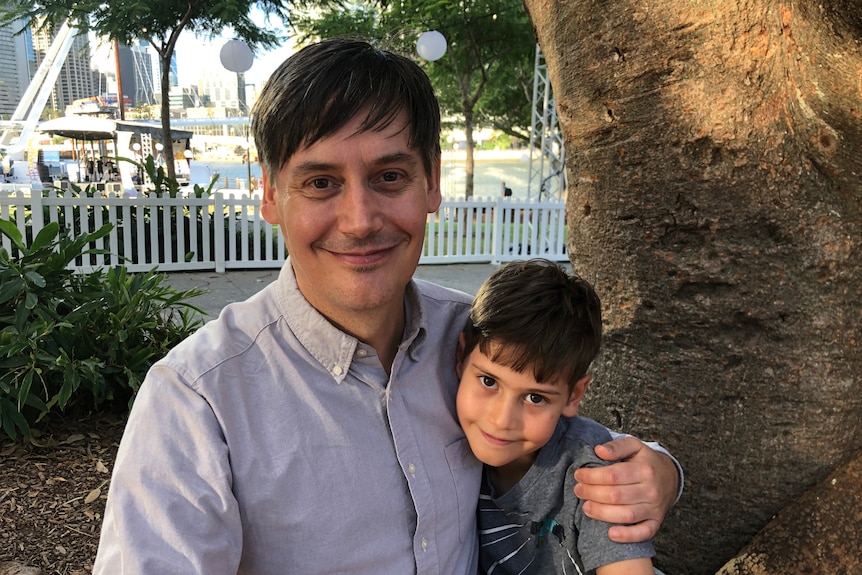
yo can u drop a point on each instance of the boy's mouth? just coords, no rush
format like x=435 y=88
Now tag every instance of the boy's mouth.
x=493 y=440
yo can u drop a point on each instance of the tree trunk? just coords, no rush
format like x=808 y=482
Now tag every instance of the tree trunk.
x=469 y=157
x=713 y=156
x=819 y=533
x=168 y=141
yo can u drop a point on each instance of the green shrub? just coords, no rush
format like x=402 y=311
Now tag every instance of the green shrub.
x=78 y=342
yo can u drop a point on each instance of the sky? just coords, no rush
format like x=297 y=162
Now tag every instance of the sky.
x=192 y=52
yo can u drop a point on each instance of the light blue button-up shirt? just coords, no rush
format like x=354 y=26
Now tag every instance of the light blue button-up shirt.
x=270 y=442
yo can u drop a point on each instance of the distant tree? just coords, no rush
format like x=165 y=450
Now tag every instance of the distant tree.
x=159 y=22
x=50 y=113
x=486 y=75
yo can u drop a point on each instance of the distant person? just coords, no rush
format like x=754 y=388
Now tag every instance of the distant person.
x=91 y=170
x=505 y=190
x=523 y=357
x=312 y=428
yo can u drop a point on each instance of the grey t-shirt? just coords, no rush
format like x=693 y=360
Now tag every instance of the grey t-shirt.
x=539 y=526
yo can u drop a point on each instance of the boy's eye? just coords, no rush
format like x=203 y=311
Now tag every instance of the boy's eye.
x=487 y=381
x=536 y=399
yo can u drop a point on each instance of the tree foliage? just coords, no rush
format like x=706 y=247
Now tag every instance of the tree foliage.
x=486 y=76
x=159 y=22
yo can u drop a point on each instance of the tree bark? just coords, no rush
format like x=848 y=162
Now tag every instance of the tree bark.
x=714 y=200
x=819 y=533
x=167 y=138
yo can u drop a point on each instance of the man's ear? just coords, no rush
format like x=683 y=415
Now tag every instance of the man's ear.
x=459 y=354
x=571 y=408
x=268 y=207
x=435 y=194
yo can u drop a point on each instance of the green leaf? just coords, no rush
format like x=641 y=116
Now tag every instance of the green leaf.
x=10 y=288
x=11 y=419
x=24 y=390
x=46 y=236
x=35 y=278
x=71 y=379
x=30 y=300
x=13 y=233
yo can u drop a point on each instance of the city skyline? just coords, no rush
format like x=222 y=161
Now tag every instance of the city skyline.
x=191 y=51
x=90 y=67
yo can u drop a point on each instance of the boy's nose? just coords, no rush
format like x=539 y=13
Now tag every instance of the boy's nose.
x=503 y=413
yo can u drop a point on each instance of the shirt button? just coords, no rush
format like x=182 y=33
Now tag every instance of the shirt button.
x=424 y=544
x=361 y=352
x=411 y=469
x=337 y=370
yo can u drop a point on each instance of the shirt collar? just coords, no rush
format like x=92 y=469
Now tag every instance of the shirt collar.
x=330 y=346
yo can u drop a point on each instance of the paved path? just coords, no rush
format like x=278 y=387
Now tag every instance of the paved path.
x=233 y=285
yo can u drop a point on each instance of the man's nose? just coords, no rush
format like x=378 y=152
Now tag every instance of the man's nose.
x=359 y=210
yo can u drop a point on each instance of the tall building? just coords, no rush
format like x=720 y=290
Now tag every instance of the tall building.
x=16 y=63
x=136 y=70
x=225 y=89
x=173 y=82
x=145 y=80
x=75 y=80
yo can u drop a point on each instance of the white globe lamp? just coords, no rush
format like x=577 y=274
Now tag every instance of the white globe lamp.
x=431 y=45
x=236 y=56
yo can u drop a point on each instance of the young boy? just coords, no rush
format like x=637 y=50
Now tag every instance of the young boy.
x=523 y=358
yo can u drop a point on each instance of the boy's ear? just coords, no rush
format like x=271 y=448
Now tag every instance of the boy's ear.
x=571 y=408
x=459 y=354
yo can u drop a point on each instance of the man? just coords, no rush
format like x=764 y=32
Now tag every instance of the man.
x=312 y=428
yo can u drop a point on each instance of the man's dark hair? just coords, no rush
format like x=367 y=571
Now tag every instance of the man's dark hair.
x=535 y=315
x=319 y=89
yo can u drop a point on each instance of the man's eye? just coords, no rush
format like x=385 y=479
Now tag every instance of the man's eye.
x=535 y=399
x=390 y=176
x=320 y=183
x=487 y=381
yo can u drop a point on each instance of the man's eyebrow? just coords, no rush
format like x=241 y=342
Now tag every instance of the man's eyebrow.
x=397 y=158
x=312 y=166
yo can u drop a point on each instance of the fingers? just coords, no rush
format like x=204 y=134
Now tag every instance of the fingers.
x=621 y=448
x=628 y=528
x=631 y=497
x=634 y=533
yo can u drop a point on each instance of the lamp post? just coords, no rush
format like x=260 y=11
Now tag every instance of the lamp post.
x=160 y=158
x=237 y=57
x=188 y=155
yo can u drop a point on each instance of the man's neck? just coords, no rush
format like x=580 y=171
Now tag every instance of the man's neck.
x=382 y=330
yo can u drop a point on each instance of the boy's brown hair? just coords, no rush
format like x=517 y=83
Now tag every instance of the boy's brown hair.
x=535 y=315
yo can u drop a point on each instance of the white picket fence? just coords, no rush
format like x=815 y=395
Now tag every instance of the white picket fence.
x=225 y=230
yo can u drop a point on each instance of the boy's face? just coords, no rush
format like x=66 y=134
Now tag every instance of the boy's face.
x=508 y=416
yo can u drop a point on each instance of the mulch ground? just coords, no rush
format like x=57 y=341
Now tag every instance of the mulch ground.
x=52 y=494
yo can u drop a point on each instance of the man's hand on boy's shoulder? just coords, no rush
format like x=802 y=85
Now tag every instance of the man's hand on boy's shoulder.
x=636 y=492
